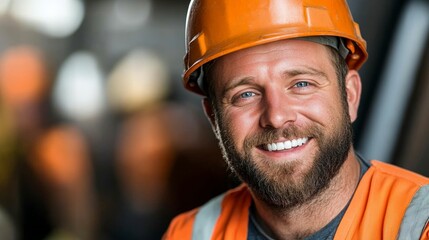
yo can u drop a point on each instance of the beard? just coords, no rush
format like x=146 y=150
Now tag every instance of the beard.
x=277 y=184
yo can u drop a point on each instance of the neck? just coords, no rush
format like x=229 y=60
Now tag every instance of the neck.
x=294 y=223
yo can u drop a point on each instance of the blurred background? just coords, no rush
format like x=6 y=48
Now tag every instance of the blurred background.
x=99 y=140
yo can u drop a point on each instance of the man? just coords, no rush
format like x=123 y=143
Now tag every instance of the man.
x=281 y=91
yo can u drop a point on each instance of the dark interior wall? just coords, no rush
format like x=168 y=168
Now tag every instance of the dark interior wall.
x=377 y=20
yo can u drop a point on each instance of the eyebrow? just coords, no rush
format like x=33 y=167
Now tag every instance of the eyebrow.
x=240 y=81
x=307 y=71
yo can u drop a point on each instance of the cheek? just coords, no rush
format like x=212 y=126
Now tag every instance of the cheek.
x=321 y=110
x=240 y=124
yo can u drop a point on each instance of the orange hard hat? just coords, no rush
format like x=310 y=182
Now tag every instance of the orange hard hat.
x=215 y=28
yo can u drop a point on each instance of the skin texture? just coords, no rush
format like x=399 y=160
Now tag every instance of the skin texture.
x=282 y=91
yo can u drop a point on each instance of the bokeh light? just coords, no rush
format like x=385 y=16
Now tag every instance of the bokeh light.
x=131 y=14
x=59 y=18
x=141 y=78
x=23 y=76
x=79 y=91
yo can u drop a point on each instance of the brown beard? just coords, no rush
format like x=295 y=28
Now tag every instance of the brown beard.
x=276 y=186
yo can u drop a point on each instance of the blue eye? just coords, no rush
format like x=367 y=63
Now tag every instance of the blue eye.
x=302 y=84
x=247 y=94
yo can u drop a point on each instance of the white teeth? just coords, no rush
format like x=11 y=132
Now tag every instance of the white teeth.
x=294 y=143
x=274 y=146
x=280 y=146
x=286 y=144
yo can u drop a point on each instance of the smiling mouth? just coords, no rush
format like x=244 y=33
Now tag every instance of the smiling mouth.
x=286 y=145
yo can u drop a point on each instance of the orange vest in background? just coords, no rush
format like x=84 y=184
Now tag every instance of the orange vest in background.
x=389 y=203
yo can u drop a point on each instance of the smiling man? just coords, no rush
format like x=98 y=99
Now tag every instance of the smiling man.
x=281 y=91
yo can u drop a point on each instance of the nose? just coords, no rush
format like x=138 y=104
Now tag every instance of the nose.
x=278 y=109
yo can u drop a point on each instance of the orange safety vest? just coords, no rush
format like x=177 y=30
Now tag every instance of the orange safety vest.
x=389 y=203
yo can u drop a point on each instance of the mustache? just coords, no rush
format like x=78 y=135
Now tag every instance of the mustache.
x=271 y=135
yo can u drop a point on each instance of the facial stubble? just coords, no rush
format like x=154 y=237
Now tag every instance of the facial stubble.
x=276 y=184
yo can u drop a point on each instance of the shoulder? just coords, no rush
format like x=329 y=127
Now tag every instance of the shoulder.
x=182 y=226
x=410 y=190
x=389 y=201
x=395 y=173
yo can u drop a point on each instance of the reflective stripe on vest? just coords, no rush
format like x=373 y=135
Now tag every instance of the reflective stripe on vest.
x=206 y=219
x=416 y=216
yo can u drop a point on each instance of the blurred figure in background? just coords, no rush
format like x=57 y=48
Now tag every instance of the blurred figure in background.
x=23 y=87
x=63 y=166
x=146 y=153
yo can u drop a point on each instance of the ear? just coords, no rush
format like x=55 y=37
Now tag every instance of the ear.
x=353 y=90
x=208 y=110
